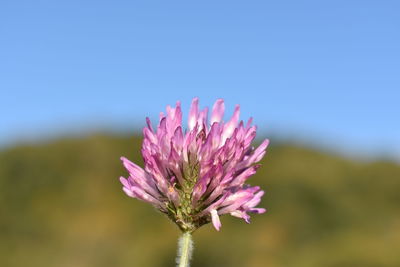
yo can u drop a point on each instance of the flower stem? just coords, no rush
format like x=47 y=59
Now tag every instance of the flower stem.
x=185 y=250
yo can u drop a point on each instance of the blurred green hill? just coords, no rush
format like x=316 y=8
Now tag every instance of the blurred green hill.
x=61 y=204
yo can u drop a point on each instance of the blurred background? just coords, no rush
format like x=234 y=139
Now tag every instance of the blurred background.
x=320 y=78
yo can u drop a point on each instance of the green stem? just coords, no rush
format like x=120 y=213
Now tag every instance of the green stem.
x=185 y=250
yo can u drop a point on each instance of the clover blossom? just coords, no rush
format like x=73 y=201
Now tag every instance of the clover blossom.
x=198 y=174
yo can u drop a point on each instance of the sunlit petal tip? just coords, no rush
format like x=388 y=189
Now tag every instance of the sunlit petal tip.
x=128 y=192
x=217 y=111
x=215 y=219
x=124 y=181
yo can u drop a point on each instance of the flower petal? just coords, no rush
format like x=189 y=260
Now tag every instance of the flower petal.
x=215 y=219
x=231 y=125
x=217 y=111
x=193 y=113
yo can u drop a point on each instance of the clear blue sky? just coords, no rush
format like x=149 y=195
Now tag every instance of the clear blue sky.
x=326 y=72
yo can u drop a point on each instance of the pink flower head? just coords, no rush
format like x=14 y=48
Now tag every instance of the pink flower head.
x=196 y=175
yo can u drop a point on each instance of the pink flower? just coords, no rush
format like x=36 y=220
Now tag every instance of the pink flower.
x=198 y=174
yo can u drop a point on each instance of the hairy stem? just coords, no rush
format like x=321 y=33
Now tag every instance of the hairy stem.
x=185 y=250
